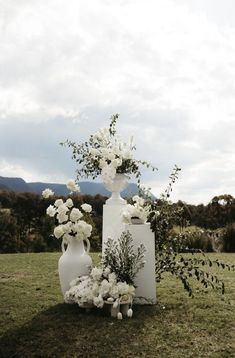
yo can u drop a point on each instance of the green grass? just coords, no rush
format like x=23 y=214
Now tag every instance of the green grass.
x=36 y=323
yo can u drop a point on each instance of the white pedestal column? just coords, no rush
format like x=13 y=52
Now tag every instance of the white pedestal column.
x=145 y=280
x=112 y=223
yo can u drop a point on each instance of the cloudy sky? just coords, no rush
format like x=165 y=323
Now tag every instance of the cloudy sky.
x=166 y=66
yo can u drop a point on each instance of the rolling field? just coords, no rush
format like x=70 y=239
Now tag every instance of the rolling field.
x=36 y=323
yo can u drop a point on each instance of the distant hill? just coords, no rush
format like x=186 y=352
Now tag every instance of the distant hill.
x=91 y=188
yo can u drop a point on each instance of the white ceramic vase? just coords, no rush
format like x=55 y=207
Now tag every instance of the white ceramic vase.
x=74 y=262
x=119 y=183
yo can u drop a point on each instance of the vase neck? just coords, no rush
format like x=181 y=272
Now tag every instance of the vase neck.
x=76 y=245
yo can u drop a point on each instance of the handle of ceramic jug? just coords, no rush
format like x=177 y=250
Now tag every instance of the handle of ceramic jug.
x=88 y=245
x=62 y=246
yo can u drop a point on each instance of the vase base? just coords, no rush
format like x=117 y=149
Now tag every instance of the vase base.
x=115 y=201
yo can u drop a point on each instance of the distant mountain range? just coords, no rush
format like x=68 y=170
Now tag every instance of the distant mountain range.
x=91 y=188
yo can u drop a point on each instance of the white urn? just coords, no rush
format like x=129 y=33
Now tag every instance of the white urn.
x=74 y=262
x=116 y=186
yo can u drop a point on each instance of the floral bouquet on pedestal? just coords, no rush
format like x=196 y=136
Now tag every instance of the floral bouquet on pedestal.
x=111 y=284
x=106 y=154
x=136 y=213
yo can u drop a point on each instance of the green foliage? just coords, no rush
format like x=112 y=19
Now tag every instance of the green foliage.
x=169 y=245
x=8 y=233
x=195 y=238
x=89 y=166
x=25 y=227
x=122 y=260
x=228 y=238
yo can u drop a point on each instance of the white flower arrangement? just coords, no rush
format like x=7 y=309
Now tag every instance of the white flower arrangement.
x=139 y=210
x=106 y=154
x=100 y=287
x=113 y=282
x=68 y=217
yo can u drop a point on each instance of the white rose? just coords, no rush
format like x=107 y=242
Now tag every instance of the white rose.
x=62 y=217
x=114 y=291
x=86 y=207
x=67 y=227
x=104 y=288
x=96 y=273
x=62 y=209
x=47 y=193
x=123 y=288
x=140 y=201
x=98 y=301
x=131 y=290
x=58 y=202
x=126 y=153
x=112 y=278
x=102 y=163
x=105 y=153
x=108 y=173
x=126 y=217
x=72 y=186
x=75 y=215
x=110 y=156
x=69 y=203
x=82 y=229
x=107 y=271
x=94 y=152
x=116 y=163
x=58 y=231
x=51 y=211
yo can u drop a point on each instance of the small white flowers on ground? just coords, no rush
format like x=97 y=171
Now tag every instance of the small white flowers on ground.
x=97 y=290
x=96 y=273
x=47 y=193
x=72 y=186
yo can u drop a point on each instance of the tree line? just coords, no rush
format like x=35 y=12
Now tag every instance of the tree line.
x=25 y=227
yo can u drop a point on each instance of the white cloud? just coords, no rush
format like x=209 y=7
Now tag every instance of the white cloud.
x=167 y=67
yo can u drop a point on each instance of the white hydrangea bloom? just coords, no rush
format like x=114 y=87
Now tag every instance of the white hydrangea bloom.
x=51 y=211
x=75 y=215
x=104 y=288
x=58 y=231
x=123 y=288
x=69 y=203
x=98 y=301
x=47 y=193
x=139 y=201
x=106 y=271
x=63 y=209
x=62 y=217
x=94 y=152
x=116 y=163
x=86 y=207
x=108 y=173
x=58 y=202
x=96 y=273
x=112 y=278
x=72 y=186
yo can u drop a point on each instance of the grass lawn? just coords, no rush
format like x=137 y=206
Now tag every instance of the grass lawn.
x=36 y=323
